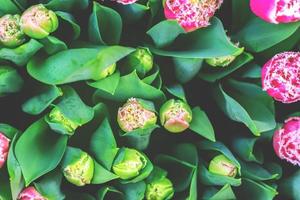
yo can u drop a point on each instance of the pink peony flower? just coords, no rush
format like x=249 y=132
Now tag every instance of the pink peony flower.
x=276 y=11
x=191 y=14
x=286 y=141
x=30 y=193
x=126 y=2
x=281 y=77
x=4 y=147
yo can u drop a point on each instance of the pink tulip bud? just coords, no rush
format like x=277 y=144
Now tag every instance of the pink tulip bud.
x=286 y=141
x=281 y=77
x=191 y=14
x=4 y=147
x=30 y=193
x=276 y=11
x=126 y=2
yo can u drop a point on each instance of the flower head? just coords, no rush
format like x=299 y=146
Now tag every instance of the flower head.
x=126 y=2
x=221 y=165
x=281 y=77
x=11 y=34
x=175 y=115
x=286 y=141
x=133 y=115
x=30 y=193
x=38 y=22
x=129 y=163
x=4 y=148
x=108 y=71
x=160 y=189
x=276 y=11
x=80 y=171
x=224 y=61
x=191 y=14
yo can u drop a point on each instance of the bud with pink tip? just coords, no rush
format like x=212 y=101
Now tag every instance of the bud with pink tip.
x=4 y=147
x=126 y=2
x=191 y=14
x=276 y=11
x=30 y=193
x=286 y=141
x=281 y=77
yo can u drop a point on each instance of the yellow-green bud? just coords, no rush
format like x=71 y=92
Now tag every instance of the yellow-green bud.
x=108 y=71
x=221 y=165
x=56 y=116
x=140 y=60
x=161 y=189
x=223 y=61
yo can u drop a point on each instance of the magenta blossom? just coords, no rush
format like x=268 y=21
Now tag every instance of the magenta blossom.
x=191 y=14
x=281 y=77
x=4 y=147
x=30 y=193
x=125 y=2
x=286 y=141
x=276 y=11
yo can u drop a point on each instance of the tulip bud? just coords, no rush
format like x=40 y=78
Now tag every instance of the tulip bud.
x=276 y=11
x=223 y=61
x=191 y=14
x=161 y=189
x=129 y=163
x=175 y=115
x=80 y=169
x=221 y=165
x=286 y=141
x=56 y=116
x=30 y=193
x=126 y=2
x=108 y=71
x=134 y=114
x=11 y=34
x=281 y=77
x=38 y=22
x=140 y=60
x=4 y=148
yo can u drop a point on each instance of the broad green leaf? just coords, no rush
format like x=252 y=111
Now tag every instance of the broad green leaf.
x=108 y=84
x=187 y=68
x=22 y=54
x=75 y=64
x=131 y=13
x=5 y=193
x=177 y=91
x=240 y=13
x=289 y=187
x=10 y=80
x=102 y=175
x=133 y=191
x=42 y=157
x=209 y=42
x=258 y=35
x=107 y=193
x=67 y=5
x=37 y=104
x=8 y=130
x=105 y=25
x=53 y=45
x=201 y=124
x=193 y=187
x=68 y=21
x=8 y=7
x=225 y=193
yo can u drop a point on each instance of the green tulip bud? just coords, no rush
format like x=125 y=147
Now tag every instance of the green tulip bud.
x=223 y=61
x=108 y=71
x=38 y=22
x=11 y=34
x=161 y=189
x=79 y=170
x=140 y=60
x=221 y=165
x=175 y=115
x=56 y=116
x=134 y=114
x=129 y=163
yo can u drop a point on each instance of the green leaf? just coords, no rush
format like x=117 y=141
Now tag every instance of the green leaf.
x=37 y=104
x=186 y=68
x=131 y=13
x=22 y=54
x=240 y=13
x=103 y=145
x=10 y=80
x=8 y=7
x=131 y=86
x=75 y=64
x=225 y=193
x=212 y=74
x=133 y=191
x=105 y=25
x=108 y=84
x=208 y=42
x=4 y=189
x=67 y=5
x=49 y=186
x=46 y=153
x=165 y=32
x=53 y=45
x=8 y=130
x=102 y=175
x=258 y=35
x=108 y=193
x=201 y=124
x=69 y=21
x=177 y=91
x=289 y=187
x=193 y=187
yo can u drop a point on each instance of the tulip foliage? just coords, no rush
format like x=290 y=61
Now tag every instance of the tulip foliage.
x=149 y=99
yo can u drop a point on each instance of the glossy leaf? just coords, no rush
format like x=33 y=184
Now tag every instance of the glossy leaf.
x=187 y=68
x=53 y=45
x=225 y=193
x=10 y=80
x=67 y=5
x=68 y=20
x=102 y=175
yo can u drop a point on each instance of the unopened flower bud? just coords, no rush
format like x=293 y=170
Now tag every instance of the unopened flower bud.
x=80 y=169
x=134 y=115
x=129 y=163
x=11 y=34
x=30 y=193
x=223 y=61
x=221 y=165
x=281 y=77
x=175 y=115
x=38 y=22
x=286 y=141
x=108 y=71
x=4 y=148
x=125 y=2
x=161 y=189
